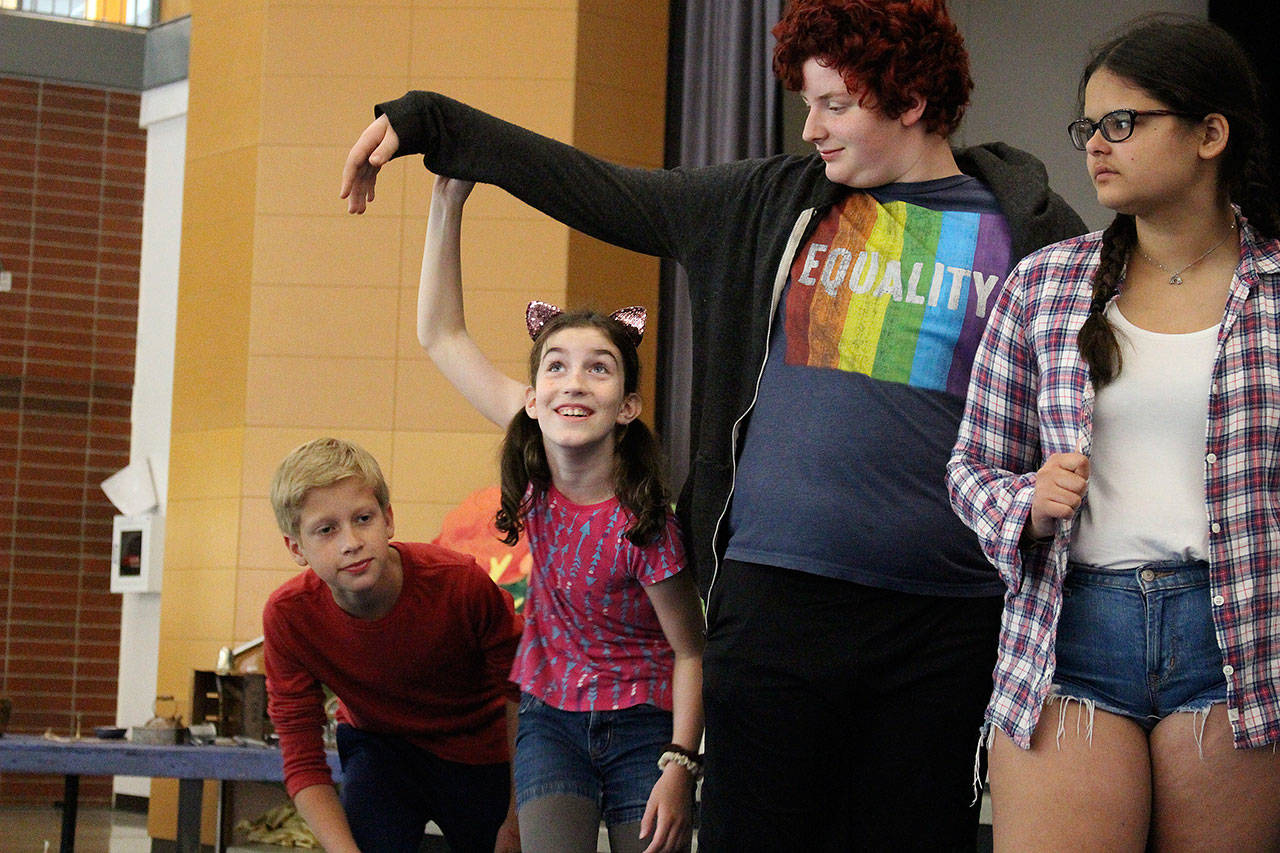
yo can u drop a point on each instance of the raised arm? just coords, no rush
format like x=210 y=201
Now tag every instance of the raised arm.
x=442 y=328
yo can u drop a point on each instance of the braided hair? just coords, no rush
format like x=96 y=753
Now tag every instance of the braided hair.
x=1195 y=67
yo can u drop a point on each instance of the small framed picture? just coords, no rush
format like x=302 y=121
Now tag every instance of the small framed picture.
x=137 y=546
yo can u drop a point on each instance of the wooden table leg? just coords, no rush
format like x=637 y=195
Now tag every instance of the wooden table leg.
x=190 y=793
x=70 y=800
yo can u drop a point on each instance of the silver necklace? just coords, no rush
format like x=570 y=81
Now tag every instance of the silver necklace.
x=1175 y=277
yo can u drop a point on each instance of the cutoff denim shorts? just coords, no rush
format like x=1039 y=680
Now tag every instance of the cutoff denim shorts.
x=1139 y=642
x=609 y=757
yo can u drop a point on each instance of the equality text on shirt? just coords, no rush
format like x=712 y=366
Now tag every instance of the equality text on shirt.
x=866 y=275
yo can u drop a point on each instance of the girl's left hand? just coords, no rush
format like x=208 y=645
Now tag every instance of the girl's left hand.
x=668 y=818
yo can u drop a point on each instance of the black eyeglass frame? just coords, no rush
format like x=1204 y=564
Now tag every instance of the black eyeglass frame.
x=1100 y=125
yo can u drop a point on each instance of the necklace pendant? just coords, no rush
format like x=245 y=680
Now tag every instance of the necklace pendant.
x=1175 y=279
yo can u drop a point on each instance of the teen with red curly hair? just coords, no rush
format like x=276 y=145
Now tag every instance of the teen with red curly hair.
x=837 y=301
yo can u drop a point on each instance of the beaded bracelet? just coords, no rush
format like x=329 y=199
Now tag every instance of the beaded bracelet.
x=687 y=759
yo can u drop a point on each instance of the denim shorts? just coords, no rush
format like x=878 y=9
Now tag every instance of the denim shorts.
x=1139 y=642
x=609 y=757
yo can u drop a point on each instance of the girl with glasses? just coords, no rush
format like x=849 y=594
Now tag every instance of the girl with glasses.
x=1119 y=460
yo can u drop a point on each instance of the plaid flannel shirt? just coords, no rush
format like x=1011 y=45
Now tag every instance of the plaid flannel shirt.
x=1030 y=396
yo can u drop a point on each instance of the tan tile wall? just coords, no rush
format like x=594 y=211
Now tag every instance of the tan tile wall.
x=173 y=9
x=297 y=320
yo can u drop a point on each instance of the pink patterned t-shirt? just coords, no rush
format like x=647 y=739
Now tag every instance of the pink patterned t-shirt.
x=591 y=640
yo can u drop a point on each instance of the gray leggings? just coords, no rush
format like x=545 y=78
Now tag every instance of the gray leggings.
x=563 y=823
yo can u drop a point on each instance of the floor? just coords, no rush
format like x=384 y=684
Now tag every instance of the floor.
x=28 y=829
x=31 y=829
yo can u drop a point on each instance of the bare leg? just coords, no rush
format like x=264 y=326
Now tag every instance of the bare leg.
x=560 y=823
x=1071 y=792
x=1225 y=799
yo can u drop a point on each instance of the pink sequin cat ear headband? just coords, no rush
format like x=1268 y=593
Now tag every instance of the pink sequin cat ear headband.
x=632 y=319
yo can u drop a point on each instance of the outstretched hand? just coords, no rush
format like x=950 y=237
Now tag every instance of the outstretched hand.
x=372 y=150
x=1060 y=488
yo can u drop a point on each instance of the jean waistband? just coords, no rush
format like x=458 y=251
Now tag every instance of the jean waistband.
x=1167 y=574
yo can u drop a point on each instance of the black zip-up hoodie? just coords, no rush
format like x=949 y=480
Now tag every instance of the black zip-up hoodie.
x=734 y=228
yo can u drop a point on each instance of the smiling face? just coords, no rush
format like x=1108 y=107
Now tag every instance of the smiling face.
x=1160 y=165
x=860 y=145
x=579 y=394
x=344 y=536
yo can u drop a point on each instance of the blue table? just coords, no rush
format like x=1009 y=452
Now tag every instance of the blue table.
x=191 y=765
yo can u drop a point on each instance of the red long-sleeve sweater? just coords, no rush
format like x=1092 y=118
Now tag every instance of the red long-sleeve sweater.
x=434 y=670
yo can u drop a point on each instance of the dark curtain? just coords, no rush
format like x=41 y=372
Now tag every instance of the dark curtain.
x=1254 y=24
x=723 y=103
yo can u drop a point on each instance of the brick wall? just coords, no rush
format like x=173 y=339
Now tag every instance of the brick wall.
x=71 y=180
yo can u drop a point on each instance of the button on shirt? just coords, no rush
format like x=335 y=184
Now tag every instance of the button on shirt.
x=1031 y=397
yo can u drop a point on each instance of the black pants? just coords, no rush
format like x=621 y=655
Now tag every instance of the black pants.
x=391 y=788
x=839 y=716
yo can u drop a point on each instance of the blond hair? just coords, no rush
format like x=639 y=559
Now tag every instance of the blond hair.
x=316 y=464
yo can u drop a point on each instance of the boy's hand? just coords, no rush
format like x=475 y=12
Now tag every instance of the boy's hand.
x=372 y=150
x=508 y=836
x=1060 y=488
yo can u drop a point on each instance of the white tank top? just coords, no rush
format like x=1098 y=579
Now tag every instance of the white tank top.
x=1145 y=500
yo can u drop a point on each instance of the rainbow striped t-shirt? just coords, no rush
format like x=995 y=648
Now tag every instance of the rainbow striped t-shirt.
x=842 y=470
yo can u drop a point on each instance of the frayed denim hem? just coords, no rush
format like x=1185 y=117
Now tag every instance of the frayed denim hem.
x=1085 y=715
x=1199 y=712
x=552 y=789
x=986 y=735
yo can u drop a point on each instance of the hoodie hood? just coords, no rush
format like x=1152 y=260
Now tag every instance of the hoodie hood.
x=1021 y=183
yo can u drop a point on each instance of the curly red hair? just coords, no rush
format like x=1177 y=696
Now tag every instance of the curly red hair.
x=889 y=51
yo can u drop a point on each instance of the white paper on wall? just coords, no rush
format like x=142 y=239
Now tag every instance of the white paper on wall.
x=131 y=489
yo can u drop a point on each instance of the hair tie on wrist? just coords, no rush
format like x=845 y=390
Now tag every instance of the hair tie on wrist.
x=691 y=761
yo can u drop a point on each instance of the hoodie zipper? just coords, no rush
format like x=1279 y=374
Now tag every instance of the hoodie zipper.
x=779 y=282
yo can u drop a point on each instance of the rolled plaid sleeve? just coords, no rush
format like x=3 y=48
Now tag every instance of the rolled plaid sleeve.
x=990 y=477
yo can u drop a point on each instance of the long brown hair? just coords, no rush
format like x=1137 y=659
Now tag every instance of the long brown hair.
x=1194 y=67
x=637 y=459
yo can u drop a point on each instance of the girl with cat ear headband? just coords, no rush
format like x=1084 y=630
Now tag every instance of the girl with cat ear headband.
x=613 y=624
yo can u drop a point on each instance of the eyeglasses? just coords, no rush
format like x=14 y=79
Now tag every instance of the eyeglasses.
x=1116 y=126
